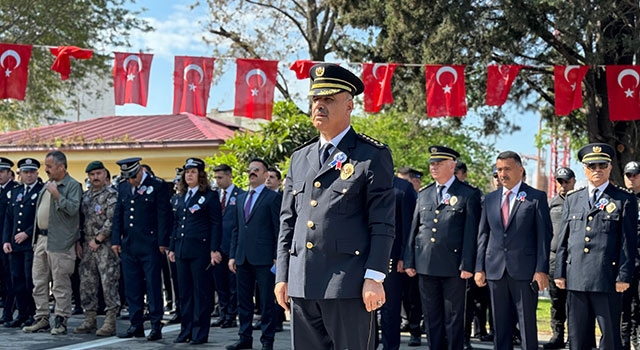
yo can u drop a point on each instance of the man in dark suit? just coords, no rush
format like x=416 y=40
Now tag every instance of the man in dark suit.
x=513 y=252
x=6 y=185
x=225 y=280
x=596 y=251
x=337 y=223
x=141 y=230
x=253 y=253
x=17 y=232
x=442 y=248
x=630 y=325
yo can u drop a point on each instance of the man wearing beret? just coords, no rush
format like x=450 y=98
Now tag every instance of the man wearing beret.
x=99 y=264
x=55 y=238
x=337 y=223
x=513 y=252
x=140 y=236
x=630 y=326
x=442 y=247
x=565 y=181
x=6 y=184
x=596 y=251
x=16 y=239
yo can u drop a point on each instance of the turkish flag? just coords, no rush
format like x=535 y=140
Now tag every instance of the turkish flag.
x=131 y=78
x=62 y=64
x=623 y=89
x=499 y=81
x=302 y=68
x=377 y=85
x=192 y=78
x=567 y=83
x=14 y=61
x=446 y=94
x=255 y=83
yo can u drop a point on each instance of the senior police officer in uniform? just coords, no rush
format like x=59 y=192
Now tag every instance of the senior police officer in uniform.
x=141 y=227
x=6 y=184
x=18 y=229
x=99 y=264
x=442 y=249
x=630 y=326
x=337 y=223
x=596 y=251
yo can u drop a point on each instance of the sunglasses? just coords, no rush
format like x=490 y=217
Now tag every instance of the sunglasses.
x=495 y=176
x=561 y=181
x=630 y=175
x=601 y=166
x=253 y=169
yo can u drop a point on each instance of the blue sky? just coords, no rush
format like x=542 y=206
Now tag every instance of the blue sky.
x=179 y=31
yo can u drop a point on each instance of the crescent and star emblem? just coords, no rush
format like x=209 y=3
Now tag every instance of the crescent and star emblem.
x=128 y=59
x=261 y=83
x=197 y=68
x=375 y=72
x=628 y=92
x=568 y=70
x=446 y=69
x=6 y=54
x=504 y=70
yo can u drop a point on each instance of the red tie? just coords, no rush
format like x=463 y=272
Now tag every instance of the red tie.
x=223 y=201
x=505 y=208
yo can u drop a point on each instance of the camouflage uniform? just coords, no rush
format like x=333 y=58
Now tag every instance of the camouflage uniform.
x=97 y=214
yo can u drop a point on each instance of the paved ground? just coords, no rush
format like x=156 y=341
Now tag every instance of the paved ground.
x=218 y=339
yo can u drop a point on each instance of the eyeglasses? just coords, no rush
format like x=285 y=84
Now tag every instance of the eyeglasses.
x=495 y=176
x=593 y=166
x=253 y=169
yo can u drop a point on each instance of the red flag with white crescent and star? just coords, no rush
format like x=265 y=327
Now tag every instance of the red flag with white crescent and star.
x=62 y=63
x=377 y=85
x=255 y=84
x=131 y=78
x=623 y=90
x=446 y=92
x=500 y=77
x=14 y=70
x=192 y=78
x=567 y=83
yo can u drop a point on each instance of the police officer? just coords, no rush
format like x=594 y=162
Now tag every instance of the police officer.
x=197 y=225
x=141 y=227
x=565 y=181
x=99 y=265
x=337 y=223
x=596 y=250
x=16 y=239
x=441 y=248
x=631 y=297
x=6 y=184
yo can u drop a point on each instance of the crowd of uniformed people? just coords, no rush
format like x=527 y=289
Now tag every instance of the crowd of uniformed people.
x=355 y=254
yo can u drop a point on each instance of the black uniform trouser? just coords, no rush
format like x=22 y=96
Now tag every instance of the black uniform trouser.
x=21 y=263
x=9 y=295
x=331 y=324
x=195 y=298
x=226 y=289
x=411 y=303
x=443 y=300
x=629 y=327
x=138 y=269
x=583 y=308
x=558 y=308
x=478 y=308
x=390 y=311
x=246 y=276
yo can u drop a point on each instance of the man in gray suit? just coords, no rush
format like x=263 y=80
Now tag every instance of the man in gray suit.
x=337 y=224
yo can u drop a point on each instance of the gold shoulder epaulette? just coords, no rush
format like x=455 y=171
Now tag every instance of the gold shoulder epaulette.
x=625 y=189
x=371 y=140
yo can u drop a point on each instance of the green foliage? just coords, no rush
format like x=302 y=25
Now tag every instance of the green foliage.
x=274 y=142
x=95 y=24
x=409 y=139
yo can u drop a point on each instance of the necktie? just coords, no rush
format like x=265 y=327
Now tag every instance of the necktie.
x=594 y=197
x=505 y=208
x=325 y=153
x=247 y=206
x=223 y=201
x=26 y=190
x=440 y=189
x=189 y=195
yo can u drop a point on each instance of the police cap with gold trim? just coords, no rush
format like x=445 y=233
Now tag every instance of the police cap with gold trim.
x=330 y=79
x=596 y=153
x=440 y=153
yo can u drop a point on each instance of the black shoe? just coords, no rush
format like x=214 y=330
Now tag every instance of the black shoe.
x=30 y=320
x=229 y=324
x=216 y=312
x=197 y=342
x=556 y=342
x=182 y=340
x=267 y=346
x=516 y=339
x=415 y=341
x=155 y=334
x=137 y=332
x=257 y=326
x=77 y=310
x=467 y=345
x=4 y=320
x=240 y=345
x=488 y=337
x=169 y=306
x=18 y=322
x=218 y=322
x=174 y=319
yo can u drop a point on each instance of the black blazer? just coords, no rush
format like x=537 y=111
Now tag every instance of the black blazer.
x=20 y=215
x=229 y=221
x=196 y=225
